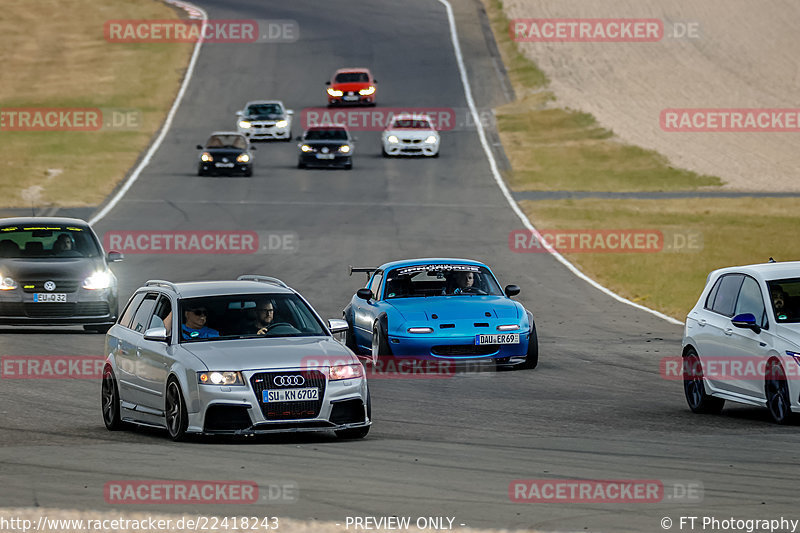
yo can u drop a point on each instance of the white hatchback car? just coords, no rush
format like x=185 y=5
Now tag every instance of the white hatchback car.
x=410 y=134
x=742 y=340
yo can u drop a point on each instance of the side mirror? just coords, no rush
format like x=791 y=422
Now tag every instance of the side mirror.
x=328 y=82
x=239 y=113
x=199 y=146
x=746 y=321
x=289 y=112
x=298 y=138
x=114 y=256
x=511 y=290
x=337 y=325
x=251 y=147
x=364 y=294
x=374 y=81
x=156 y=334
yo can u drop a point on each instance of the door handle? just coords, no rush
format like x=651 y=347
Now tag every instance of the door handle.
x=728 y=331
x=762 y=343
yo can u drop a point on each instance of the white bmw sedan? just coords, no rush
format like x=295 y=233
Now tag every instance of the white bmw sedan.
x=742 y=340
x=410 y=134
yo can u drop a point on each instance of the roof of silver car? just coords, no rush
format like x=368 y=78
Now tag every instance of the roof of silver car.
x=197 y=289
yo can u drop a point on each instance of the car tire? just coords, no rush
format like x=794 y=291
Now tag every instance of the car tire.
x=776 y=391
x=300 y=164
x=436 y=154
x=200 y=172
x=110 y=401
x=694 y=387
x=175 y=414
x=350 y=338
x=288 y=138
x=357 y=433
x=348 y=166
x=384 y=153
x=380 y=342
x=532 y=357
x=248 y=173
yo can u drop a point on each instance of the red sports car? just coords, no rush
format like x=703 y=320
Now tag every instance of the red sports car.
x=354 y=86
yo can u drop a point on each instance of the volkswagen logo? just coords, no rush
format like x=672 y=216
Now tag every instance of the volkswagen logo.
x=325 y=150
x=286 y=381
x=224 y=159
x=49 y=285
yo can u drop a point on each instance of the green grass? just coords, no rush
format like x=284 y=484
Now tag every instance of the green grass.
x=63 y=60
x=671 y=281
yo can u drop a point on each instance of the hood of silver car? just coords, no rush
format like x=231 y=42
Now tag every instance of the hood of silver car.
x=270 y=353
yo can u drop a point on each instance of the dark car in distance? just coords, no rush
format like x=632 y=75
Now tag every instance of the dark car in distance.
x=54 y=271
x=326 y=145
x=226 y=153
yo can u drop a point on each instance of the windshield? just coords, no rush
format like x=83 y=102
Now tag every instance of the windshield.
x=785 y=297
x=247 y=316
x=227 y=141
x=328 y=134
x=440 y=280
x=351 y=77
x=47 y=241
x=410 y=123
x=264 y=110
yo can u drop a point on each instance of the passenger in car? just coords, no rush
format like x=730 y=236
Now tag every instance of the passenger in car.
x=780 y=302
x=194 y=324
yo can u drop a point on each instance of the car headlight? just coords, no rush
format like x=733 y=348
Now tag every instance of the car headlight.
x=431 y=139
x=220 y=378
x=507 y=327
x=344 y=148
x=420 y=330
x=305 y=148
x=392 y=139
x=7 y=284
x=206 y=157
x=339 y=372
x=334 y=92
x=368 y=91
x=281 y=123
x=244 y=124
x=243 y=158
x=98 y=280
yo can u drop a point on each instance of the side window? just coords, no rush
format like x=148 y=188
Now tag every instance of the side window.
x=142 y=317
x=162 y=317
x=712 y=294
x=725 y=299
x=375 y=284
x=750 y=301
x=130 y=310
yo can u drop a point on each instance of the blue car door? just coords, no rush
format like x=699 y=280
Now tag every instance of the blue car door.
x=364 y=313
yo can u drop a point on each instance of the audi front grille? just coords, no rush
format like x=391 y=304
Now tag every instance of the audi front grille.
x=289 y=410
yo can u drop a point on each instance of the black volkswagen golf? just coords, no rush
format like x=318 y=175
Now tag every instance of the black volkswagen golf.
x=54 y=271
x=226 y=153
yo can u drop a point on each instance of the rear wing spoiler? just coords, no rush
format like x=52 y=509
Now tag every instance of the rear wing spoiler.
x=366 y=270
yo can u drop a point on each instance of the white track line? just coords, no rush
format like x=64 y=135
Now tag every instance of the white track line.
x=194 y=13
x=504 y=189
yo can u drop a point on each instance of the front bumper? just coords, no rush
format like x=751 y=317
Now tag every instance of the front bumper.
x=238 y=410
x=411 y=148
x=265 y=132
x=456 y=347
x=351 y=99
x=237 y=168
x=338 y=160
x=83 y=307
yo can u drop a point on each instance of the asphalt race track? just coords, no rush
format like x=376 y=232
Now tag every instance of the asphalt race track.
x=595 y=408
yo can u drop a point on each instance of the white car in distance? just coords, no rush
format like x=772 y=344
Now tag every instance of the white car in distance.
x=410 y=134
x=264 y=120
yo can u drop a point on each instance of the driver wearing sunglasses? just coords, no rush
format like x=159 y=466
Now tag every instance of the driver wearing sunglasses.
x=194 y=324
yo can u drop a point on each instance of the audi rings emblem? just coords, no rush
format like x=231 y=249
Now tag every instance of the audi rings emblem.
x=49 y=285
x=286 y=381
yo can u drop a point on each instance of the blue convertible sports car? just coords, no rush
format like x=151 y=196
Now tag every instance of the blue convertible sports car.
x=440 y=308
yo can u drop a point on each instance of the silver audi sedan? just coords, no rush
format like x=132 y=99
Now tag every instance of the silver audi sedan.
x=231 y=357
